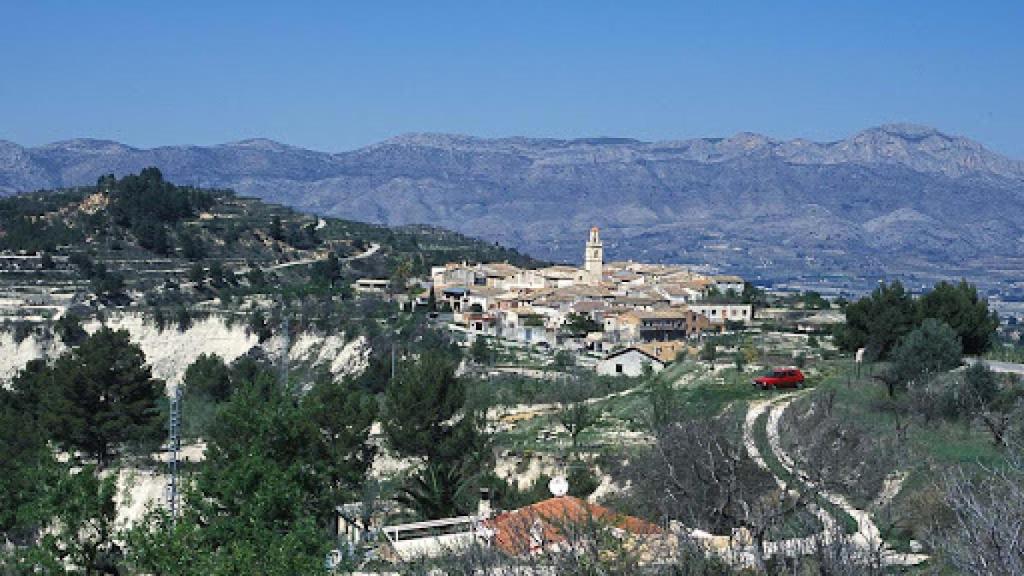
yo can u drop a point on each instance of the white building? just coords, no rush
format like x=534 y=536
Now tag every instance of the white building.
x=719 y=314
x=628 y=362
x=726 y=283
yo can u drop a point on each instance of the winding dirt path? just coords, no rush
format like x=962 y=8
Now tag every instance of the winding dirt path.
x=867 y=539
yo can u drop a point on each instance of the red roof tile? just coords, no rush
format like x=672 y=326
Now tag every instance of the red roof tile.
x=544 y=524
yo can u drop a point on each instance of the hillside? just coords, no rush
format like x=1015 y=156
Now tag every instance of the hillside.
x=174 y=256
x=892 y=200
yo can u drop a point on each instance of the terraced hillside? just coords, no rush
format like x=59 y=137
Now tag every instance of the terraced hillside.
x=140 y=239
x=141 y=250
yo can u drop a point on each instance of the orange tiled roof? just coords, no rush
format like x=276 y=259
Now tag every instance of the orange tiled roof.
x=530 y=529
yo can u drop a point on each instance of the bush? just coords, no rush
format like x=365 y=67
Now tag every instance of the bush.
x=928 y=350
x=69 y=329
x=709 y=352
x=582 y=480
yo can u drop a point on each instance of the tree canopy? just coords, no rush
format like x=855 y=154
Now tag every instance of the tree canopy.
x=277 y=466
x=426 y=416
x=932 y=348
x=102 y=396
x=879 y=321
x=962 y=309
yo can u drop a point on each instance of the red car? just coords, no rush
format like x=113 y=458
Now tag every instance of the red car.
x=780 y=378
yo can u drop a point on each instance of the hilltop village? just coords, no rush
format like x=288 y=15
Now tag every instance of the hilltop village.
x=638 y=313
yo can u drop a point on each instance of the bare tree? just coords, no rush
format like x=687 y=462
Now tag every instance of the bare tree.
x=986 y=536
x=575 y=413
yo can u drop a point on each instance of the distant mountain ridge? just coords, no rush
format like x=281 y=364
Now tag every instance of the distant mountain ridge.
x=893 y=196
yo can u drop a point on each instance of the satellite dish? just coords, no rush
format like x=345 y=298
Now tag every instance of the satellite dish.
x=558 y=486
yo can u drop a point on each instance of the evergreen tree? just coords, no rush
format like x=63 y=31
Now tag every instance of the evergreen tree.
x=69 y=329
x=276 y=467
x=878 y=322
x=961 y=307
x=341 y=415
x=276 y=229
x=480 y=352
x=192 y=246
x=426 y=416
x=208 y=377
x=27 y=470
x=103 y=397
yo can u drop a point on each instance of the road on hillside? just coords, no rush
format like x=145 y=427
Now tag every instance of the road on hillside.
x=374 y=247
x=1001 y=367
x=867 y=539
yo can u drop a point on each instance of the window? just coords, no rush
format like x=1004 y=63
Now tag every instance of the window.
x=618 y=368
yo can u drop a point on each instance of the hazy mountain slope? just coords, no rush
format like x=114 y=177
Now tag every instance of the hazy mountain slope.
x=882 y=198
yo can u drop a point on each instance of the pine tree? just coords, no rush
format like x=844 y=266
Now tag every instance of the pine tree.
x=426 y=416
x=103 y=396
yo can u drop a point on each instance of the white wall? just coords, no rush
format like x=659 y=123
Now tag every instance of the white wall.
x=632 y=363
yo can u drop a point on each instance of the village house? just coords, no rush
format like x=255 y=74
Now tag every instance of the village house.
x=630 y=361
x=726 y=284
x=565 y=523
x=634 y=302
x=720 y=314
x=661 y=325
x=525 y=325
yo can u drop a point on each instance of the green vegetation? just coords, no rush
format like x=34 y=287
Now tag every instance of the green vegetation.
x=944 y=426
x=294 y=457
x=179 y=245
x=580 y=324
x=926 y=351
x=426 y=416
x=97 y=398
x=879 y=321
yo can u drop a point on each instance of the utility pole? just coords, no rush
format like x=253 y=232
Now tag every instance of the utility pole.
x=174 y=449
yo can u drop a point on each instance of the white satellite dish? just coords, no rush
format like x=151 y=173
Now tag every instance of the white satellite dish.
x=558 y=486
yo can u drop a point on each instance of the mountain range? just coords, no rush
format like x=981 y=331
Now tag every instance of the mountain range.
x=895 y=199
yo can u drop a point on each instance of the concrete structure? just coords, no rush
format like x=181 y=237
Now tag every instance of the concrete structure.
x=660 y=325
x=719 y=314
x=628 y=362
x=371 y=285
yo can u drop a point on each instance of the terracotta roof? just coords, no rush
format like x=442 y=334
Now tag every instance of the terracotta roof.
x=535 y=527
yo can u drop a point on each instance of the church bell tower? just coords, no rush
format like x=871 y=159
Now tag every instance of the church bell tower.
x=593 y=258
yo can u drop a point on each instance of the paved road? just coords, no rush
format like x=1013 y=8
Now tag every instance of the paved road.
x=1002 y=367
x=364 y=254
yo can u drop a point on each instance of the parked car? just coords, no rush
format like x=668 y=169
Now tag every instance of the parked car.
x=780 y=378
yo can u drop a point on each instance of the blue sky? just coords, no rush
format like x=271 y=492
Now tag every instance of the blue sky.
x=338 y=75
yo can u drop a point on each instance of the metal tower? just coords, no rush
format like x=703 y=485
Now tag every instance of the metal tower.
x=174 y=450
